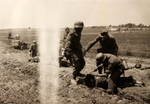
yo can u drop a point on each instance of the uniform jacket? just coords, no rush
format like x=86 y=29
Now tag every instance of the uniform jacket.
x=63 y=40
x=106 y=46
x=73 y=42
x=112 y=62
x=33 y=49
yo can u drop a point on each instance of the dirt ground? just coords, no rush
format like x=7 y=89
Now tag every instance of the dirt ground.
x=80 y=94
x=19 y=82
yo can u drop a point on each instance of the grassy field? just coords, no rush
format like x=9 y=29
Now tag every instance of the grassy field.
x=131 y=43
x=18 y=78
x=21 y=81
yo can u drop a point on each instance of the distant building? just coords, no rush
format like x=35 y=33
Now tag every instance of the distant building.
x=113 y=29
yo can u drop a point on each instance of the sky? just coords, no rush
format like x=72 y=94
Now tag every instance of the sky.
x=63 y=13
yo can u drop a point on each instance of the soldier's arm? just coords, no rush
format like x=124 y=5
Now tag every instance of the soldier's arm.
x=92 y=43
x=115 y=46
x=110 y=68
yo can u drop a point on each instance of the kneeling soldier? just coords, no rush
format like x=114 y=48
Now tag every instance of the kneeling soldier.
x=113 y=67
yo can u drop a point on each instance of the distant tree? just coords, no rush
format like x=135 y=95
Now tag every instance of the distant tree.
x=130 y=25
x=122 y=25
x=145 y=26
x=140 y=25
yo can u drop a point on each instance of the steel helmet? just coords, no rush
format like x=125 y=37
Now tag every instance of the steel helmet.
x=78 y=24
x=67 y=28
x=100 y=57
x=138 y=66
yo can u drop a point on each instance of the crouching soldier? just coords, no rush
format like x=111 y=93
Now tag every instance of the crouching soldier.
x=113 y=67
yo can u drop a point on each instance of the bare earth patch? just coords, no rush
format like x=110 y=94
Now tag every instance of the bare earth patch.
x=80 y=94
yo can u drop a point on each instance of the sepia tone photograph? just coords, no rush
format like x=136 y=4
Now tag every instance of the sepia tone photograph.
x=75 y=52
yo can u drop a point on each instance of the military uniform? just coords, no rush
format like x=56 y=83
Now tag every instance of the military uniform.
x=73 y=46
x=33 y=50
x=62 y=44
x=64 y=39
x=106 y=46
x=99 y=81
x=65 y=36
x=70 y=57
x=112 y=65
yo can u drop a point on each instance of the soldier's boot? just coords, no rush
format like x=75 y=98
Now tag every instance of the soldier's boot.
x=75 y=74
x=80 y=75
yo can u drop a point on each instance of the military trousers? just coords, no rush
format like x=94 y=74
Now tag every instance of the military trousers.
x=113 y=80
x=79 y=61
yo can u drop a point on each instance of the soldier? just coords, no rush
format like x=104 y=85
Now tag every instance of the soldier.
x=67 y=30
x=9 y=35
x=113 y=66
x=33 y=49
x=74 y=46
x=92 y=81
x=67 y=59
x=63 y=40
x=107 y=43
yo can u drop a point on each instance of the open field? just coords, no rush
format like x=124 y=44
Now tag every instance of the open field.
x=20 y=82
x=131 y=43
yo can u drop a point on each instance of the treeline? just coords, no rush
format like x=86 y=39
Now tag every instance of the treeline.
x=132 y=25
x=128 y=25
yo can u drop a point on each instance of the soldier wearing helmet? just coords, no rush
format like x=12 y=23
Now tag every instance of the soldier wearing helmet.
x=33 y=49
x=63 y=40
x=113 y=66
x=74 y=46
x=107 y=43
x=67 y=30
